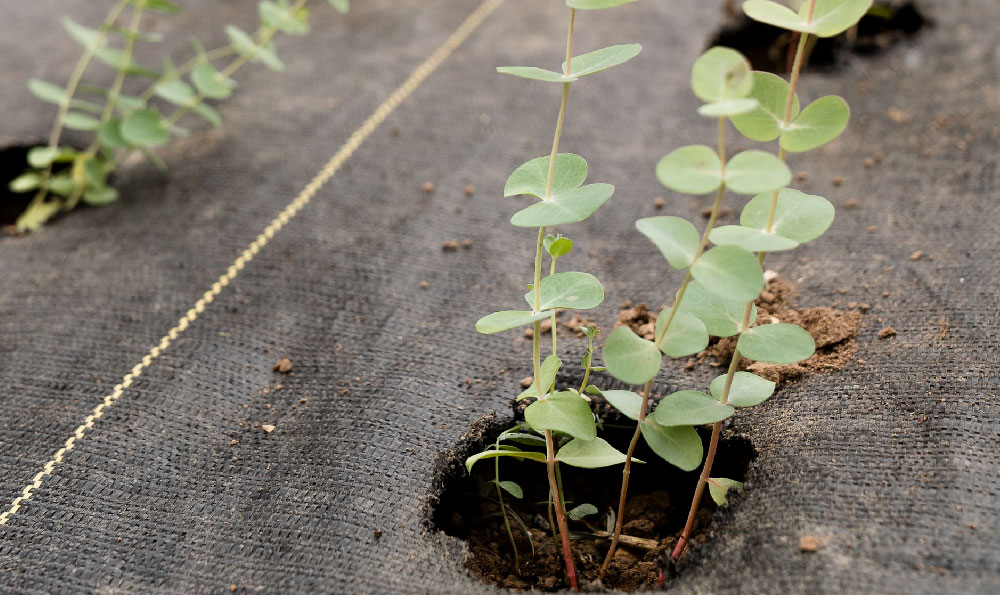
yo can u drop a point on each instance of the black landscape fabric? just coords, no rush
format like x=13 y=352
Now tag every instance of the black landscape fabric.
x=892 y=462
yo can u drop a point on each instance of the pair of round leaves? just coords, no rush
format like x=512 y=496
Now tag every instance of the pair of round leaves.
x=634 y=360
x=697 y=169
x=798 y=218
x=829 y=17
x=569 y=413
x=722 y=78
x=568 y=202
x=582 y=65
x=577 y=291
x=729 y=271
x=678 y=445
x=819 y=123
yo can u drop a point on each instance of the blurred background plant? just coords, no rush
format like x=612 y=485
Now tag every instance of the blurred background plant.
x=119 y=124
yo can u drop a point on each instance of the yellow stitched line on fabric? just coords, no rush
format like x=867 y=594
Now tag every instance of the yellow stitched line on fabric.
x=359 y=136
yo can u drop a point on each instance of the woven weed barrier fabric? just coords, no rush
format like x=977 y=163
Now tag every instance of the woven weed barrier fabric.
x=892 y=462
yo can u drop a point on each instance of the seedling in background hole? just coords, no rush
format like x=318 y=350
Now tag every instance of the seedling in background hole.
x=120 y=124
x=720 y=284
x=561 y=418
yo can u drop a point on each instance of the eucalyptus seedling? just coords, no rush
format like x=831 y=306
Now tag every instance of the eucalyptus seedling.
x=780 y=219
x=561 y=418
x=721 y=78
x=119 y=124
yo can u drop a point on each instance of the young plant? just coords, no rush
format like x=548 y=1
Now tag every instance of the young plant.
x=562 y=419
x=781 y=219
x=119 y=124
x=720 y=285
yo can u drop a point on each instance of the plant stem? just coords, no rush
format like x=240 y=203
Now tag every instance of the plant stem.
x=71 y=85
x=647 y=389
x=552 y=319
x=734 y=364
x=180 y=71
x=550 y=454
x=112 y=97
x=503 y=510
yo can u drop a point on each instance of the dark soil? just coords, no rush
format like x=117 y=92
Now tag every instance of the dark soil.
x=13 y=162
x=767 y=47
x=659 y=498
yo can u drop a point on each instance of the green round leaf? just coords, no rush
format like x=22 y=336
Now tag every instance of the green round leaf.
x=78 y=121
x=210 y=115
x=517 y=454
x=596 y=4
x=47 y=91
x=565 y=412
x=100 y=196
x=722 y=317
x=687 y=333
x=144 y=128
x=566 y=207
x=730 y=272
x=728 y=108
x=576 y=291
x=678 y=445
x=602 y=59
x=530 y=177
x=85 y=36
x=547 y=372
x=536 y=74
x=508 y=319
x=764 y=123
x=25 y=182
x=590 y=454
x=690 y=408
x=819 y=123
x=779 y=343
x=512 y=488
x=625 y=401
x=631 y=358
x=581 y=511
x=750 y=238
x=718 y=487
x=798 y=216
x=176 y=92
x=42 y=157
x=210 y=82
x=756 y=171
x=111 y=135
x=721 y=74
x=559 y=246
x=676 y=238
x=833 y=17
x=747 y=389
x=341 y=6
x=694 y=169
x=160 y=6
x=282 y=18
x=779 y=15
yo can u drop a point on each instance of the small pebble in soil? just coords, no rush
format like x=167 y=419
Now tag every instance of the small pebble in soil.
x=526 y=381
x=723 y=212
x=469 y=190
x=466 y=243
x=808 y=543
x=284 y=366
x=887 y=332
x=424 y=285
x=801 y=176
x=528 y=333
x=851 y=203
x=864 y=307
x=838 y=181
x=917 y=255
x=869 y=163
x=872 y=229
x=428 y=187
x=449 y=246
x=267 y=428
x=659 y=202
x=232 y=587
x=377 y=533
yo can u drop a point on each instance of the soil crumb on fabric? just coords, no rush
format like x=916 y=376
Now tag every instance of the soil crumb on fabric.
x=284 y=365
x=639 y=318
x=834 y=331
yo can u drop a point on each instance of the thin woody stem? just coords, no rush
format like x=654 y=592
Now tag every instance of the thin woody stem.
x=734 y=364
x=659 y=337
